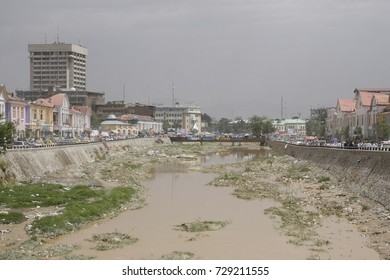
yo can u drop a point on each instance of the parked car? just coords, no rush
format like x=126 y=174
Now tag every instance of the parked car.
x=20 y=145
x=37 y=144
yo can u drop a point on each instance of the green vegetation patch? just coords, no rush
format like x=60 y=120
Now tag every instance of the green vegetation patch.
x=81 y=204
x=79 y=212
x=199 y=226
x=113 y=240
x=12 y=218
x=31 y=195
x=323 y=179
x=132 y=165
x=297 y=171
x=177 y=255
x=332 y=208
x=299 y=225
x=226 y=179
x=268 y=160
x=249 y=193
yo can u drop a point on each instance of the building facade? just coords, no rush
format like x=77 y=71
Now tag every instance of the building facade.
x=2 y=102
x=359 y=116
x=76 y=97
x=145 y=124
x=290 y=128
x=57 y=64
x=39 y=119
x=112 y=125
x=187 y=118
x=15 y=111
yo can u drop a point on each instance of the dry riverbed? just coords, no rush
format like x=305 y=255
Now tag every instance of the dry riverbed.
x=313 y=208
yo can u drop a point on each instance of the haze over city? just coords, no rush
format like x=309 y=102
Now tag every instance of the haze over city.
x=231 y=58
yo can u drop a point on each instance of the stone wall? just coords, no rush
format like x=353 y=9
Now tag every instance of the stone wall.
x=29 y=163
x=363 y=172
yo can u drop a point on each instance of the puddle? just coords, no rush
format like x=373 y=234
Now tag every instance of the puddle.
x=238 y=155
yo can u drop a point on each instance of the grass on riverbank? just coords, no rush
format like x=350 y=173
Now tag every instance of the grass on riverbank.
x=12 y=218
x=78 y=205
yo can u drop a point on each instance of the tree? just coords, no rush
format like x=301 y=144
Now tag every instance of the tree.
x=7 y=130
x=224 y=126
x=268 y=127
x=238 y=126
x=358 y=133
x=260 y=126
x=345 y=132
x=383 y=131
x=315 y=128
x=165 y=125
x=95 y=122
x=206 y=119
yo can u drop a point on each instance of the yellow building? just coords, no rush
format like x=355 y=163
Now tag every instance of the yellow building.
x=41 y=119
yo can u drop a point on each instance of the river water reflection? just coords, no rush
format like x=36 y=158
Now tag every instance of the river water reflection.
x=178 y=195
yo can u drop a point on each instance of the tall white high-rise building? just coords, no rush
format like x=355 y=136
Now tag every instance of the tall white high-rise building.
x=57 y=64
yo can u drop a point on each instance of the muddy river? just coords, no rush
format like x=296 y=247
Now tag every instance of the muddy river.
x=180 y=194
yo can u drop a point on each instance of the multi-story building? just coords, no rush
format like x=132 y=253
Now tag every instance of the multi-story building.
x=119 y=108
x=15 y=111
x=359 y=116
x=186 y=118
x=112 y=125
x=76 y=97
x=146 y=124
x=290 y=128
x=3 y=94
x=57 y=64
x=39 y=122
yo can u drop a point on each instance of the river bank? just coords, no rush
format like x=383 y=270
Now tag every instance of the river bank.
x=313 y=205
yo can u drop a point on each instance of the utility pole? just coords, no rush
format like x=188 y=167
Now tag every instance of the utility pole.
x=124 y=93
x=173 y=94
x=281 y=109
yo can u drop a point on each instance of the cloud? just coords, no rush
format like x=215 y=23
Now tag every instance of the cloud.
x=221 y=54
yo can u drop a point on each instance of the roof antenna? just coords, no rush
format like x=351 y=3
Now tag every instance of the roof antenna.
x=173 y=93
x=124 y=93
x=58 y=34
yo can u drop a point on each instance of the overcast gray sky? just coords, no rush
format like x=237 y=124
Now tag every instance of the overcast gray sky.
x=231 y=57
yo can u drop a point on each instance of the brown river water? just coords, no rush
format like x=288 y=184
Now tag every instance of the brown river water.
x=178 y=195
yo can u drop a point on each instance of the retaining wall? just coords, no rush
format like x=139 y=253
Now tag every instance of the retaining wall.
x=30 y=163
x=363 y=172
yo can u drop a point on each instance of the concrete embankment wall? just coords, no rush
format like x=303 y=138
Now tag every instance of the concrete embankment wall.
x=29 y=163
x=363 y=172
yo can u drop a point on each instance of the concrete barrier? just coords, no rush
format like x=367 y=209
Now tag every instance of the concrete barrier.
x=33 y=162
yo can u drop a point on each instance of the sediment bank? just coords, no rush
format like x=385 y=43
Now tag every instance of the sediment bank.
x=363 y=172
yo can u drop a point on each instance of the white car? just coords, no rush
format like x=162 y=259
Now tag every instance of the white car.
x=20 y=145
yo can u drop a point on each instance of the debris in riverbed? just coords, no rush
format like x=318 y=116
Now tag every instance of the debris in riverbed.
x=199 y=226
x=113 y=240
x=177 y=255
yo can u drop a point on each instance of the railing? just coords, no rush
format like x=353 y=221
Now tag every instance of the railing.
x=61 y=143
x=363 y=148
